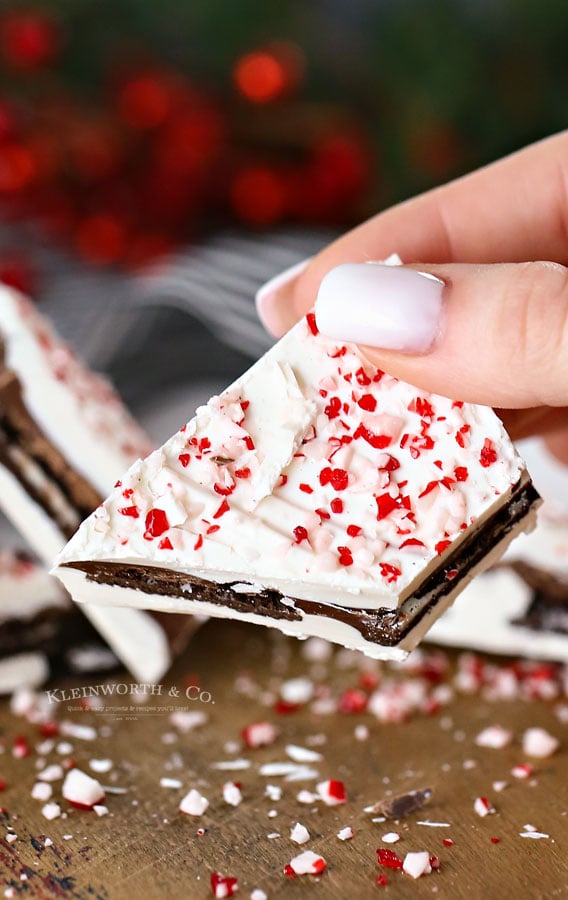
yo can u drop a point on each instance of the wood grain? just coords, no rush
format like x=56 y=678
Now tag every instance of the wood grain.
x=145 y=849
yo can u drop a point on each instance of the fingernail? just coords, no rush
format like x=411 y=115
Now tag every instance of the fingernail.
x=390 y=307
x=271 y=304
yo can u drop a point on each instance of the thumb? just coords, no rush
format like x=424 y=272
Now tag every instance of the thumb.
x=492 y=334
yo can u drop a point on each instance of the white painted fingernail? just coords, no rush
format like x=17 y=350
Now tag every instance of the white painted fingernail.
x=390 y=307
x=270 y=305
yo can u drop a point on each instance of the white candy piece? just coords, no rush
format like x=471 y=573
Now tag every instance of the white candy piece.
x=299 y=834
x=494 y=736
x=346 y=833
x=186 y=720
x=417 y=864
x=51 y=811
x=100 y=765
x=170 y=783
x=302 y=754
x=51 y=773
x=391 y=837
x=232 y=793
x=42 y=791
x=193 y=804
x=297 y=690
x=539 y=743
x=100 y=809
x=308 y=863
x=81 y=789
x=483 y=807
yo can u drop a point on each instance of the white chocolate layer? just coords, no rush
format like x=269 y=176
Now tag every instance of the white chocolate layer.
x=26 y=589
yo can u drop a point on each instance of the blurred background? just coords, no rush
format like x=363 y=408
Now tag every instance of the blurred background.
x=160 y=160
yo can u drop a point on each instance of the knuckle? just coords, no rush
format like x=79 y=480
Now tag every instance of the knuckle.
x=537 y=296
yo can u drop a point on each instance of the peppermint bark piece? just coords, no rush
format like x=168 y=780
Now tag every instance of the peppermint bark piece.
x=317 y=495
x=41 y=626
x=521 y=606
x=65 y=437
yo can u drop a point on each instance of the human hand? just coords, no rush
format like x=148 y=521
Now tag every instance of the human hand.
x=495 y=331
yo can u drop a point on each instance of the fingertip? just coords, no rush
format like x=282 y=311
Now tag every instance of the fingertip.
x=274 y=299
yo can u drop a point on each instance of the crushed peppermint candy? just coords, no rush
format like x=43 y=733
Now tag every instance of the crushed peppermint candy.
x=483 y=807
x=100 y=766
x=42 y=791
x=539 y=743
x=51 y=773
x=51 y=811
x=223 y=886
x=297 y=690
x=81 y=790
x=306 y=863
x=259 y=734
x=494 y=736
x=232 y=793
x=522 y=771
x=193 y=804
x=391 y=837
x=417 y=864
x=299 y=834
x=345 y=834
x=273 y=792
x=302 y=754
x=171 y=783
x=332 y=792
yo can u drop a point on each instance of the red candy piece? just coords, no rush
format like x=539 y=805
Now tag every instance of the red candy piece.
x=336 y=789
x=336 y=505
x=368 y=402
x=382 y=880
x=224 y=507
x=388 y=858
x=156 y=523
x=488 y=454
x=338 y=478
x=345 y=556
x=352 y=702
x=224 y=491
x=184 y=459
x=311 y=320
x=390 y=572
x=131 y=511
x=377 y=441
x=300 y=534
x=223 y=886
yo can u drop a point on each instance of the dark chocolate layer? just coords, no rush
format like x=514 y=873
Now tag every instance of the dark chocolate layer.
x=383 y=626
x=18 y=430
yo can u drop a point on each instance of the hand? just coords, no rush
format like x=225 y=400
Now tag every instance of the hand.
x=496 y=331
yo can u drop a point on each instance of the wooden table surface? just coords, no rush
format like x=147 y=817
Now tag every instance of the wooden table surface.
x=144 y=848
